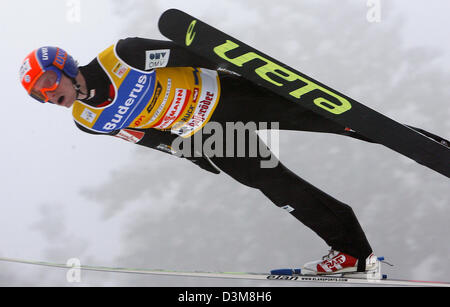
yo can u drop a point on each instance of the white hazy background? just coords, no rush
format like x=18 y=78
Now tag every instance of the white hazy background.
x=66 y=194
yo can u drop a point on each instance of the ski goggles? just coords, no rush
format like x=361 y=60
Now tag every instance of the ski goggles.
x=48 y=81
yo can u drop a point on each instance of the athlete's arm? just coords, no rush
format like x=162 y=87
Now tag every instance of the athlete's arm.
x=156 y=139
x=147 y=54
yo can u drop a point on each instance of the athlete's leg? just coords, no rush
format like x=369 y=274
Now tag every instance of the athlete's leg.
x=334 y=221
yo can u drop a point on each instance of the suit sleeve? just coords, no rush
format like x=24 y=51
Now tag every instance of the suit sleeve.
x=162 y=141
x=156 y=139
x=147 y=54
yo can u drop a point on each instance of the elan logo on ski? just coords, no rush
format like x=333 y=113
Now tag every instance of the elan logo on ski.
x=190 y=35
x=156 y=58
x=324 y=99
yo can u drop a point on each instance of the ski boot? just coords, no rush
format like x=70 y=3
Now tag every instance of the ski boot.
x=338 y=263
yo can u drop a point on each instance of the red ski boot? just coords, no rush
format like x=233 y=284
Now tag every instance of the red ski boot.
x=337 y=262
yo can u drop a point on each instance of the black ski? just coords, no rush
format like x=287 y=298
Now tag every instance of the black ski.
x=258 y=67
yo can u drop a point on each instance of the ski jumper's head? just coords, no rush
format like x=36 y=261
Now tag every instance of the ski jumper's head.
x=43 y=69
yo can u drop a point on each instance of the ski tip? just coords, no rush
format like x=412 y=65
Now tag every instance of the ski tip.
x=171 y=10
x=167 y=14
x=288 y=272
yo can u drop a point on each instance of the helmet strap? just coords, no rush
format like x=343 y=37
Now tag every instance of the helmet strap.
x=77 y=87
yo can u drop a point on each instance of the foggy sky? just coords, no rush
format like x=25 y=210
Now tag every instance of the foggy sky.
x=108 y=202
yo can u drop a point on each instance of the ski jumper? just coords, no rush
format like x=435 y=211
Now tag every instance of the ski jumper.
x=152 y=92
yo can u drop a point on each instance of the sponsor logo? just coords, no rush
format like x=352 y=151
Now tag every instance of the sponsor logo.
x=123 y=109
x=158 y=91
x=163 y=103
x=190 y=35
x=203 y=102
x=281 y=277
x=165 y=148
x=175 y=108
x=324 y=98
x=195 y=95
x=156 y=58
x=88 y=115
x=307 y=278
x=119 y=70
x=60 y=59
x=188 y=114
x=203 y=107
x=44 y=54
x=138 y=121
x=130 y=135
x=196 y=78
x=288 y=208
x=24 y=69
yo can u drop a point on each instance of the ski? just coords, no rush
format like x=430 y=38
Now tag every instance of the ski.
x=275 y=275
x=374 y=276
x=232 y=54
x=349 y=279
